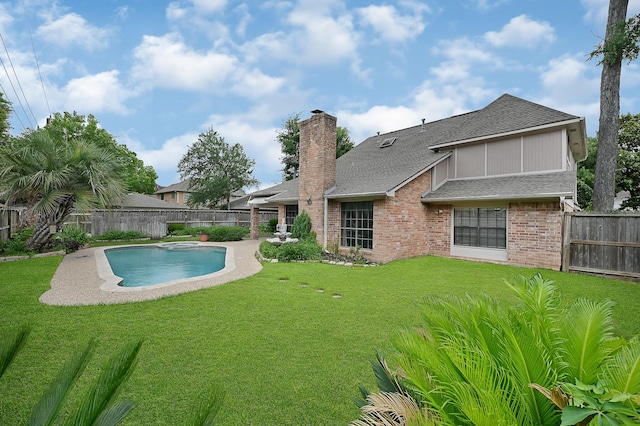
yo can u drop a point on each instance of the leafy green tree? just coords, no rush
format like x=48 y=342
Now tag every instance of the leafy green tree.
x=620 y=43
x=5 y=112
x=585 y=175
x=215 y=170
x=480 y=361
x=628 y=171
x=289 y=139
x=628 y=177
x=54 y=176
x=136 y=176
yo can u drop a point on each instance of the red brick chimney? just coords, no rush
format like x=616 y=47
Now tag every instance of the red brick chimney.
x=317 y=170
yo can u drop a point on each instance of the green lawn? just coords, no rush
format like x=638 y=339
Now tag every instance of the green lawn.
x=286 y=353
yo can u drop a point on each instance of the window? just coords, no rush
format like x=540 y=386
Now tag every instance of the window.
x=162 y=197
x=356 y=224
x=290 y=213
x=173 y=195
x=486 y=227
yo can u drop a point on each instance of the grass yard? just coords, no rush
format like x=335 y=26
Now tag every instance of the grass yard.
x=286 y=353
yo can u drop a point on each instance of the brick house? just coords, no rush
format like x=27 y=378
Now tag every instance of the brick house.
x=491 y=184
x=178 y=193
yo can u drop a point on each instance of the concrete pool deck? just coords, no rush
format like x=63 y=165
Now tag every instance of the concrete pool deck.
x=81 y=277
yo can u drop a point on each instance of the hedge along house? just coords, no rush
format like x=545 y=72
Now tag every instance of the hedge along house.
x=491 y=184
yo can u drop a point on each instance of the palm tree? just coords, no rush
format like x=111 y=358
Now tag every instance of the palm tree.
x=54 y=177
x=480 y=361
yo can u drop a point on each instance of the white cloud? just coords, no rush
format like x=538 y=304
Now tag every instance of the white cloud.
x=166 y=158
x=570 y=77
x=167 y=62
x=72 y=30
x=390 y=24
x=322 y=33
x=522 y=31
x=485 y=5
x=209 y=6
x=597 y=11
x=96 y=93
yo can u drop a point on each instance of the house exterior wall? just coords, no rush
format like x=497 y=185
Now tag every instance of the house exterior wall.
x=535 y=234
x=400 y=223
x=174 y=197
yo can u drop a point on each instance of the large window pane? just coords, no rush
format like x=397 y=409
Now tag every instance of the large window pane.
x=356 y=224
x=476 y=227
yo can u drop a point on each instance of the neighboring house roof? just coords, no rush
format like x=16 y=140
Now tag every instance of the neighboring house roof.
x=145 y=202
x=513 y=187
x=175 y=187
x=369 y=170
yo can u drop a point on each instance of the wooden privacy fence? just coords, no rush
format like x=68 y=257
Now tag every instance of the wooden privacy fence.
x=155 y=223
x=9 y=222
x=602 y=243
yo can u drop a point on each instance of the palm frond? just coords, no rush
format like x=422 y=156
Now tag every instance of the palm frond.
x=114 y=373
x=209 y=407
x=10 y=346
x=114 y=414
x=589 y=327
x=47 y=409
x=391 y=409
x=622 y=371
x=555 y=395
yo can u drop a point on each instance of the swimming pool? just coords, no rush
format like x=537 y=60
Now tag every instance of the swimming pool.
x=141 y=266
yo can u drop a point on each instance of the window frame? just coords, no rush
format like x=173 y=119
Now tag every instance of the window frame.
x=483 y=250
x=356 y=224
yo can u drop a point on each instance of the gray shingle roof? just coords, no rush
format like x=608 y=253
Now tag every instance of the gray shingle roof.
x=368 y=170
x=544 y=185
x=141 y=201
x=175 y=187
x=506 y=114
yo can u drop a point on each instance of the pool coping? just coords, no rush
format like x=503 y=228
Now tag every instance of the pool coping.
x=83 y=279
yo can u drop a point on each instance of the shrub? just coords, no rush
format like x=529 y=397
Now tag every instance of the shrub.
x=71 y=238
x=121 y=235
x=301 y=226
x=226 y=233
x=174 y=227
x=272 y=225
x=483 y=361
x=302 y=250
x=268 y=250
x=17 y=244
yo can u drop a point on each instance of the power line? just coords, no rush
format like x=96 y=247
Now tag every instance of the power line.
x=33 y=47
x=17 y=116
x=17 y=80
x=16 y=93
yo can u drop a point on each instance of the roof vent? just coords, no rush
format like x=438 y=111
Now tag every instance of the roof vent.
x=422 y=129
x=387 y=142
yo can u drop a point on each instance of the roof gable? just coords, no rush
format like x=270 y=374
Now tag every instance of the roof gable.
x=505 y=115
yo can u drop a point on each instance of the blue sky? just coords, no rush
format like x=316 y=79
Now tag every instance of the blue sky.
x=157 y=73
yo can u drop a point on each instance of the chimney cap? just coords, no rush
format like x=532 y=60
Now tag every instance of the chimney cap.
x=316 y=111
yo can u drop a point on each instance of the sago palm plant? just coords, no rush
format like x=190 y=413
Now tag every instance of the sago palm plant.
x=479 y=361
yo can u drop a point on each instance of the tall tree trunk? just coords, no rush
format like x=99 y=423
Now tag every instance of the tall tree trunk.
x=42 y=235
x=606 y=161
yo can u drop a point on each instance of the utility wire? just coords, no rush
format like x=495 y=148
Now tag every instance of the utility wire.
x=15 y=92
x=17 y=80
x=33 y=47
x=17 y=116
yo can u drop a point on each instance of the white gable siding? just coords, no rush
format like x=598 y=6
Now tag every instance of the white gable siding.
x=525 y=154
x=542 y=152
x=471 y=161
x=504 y=157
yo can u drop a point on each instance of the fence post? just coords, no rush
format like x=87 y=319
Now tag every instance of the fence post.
x=566 y=242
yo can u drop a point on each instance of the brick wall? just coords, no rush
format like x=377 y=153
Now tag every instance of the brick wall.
x=439 y=229
x=317 y=171
x=400 y=223
x=535 y=234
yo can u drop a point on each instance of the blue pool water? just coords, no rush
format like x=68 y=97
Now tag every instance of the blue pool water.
x=148 y=265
